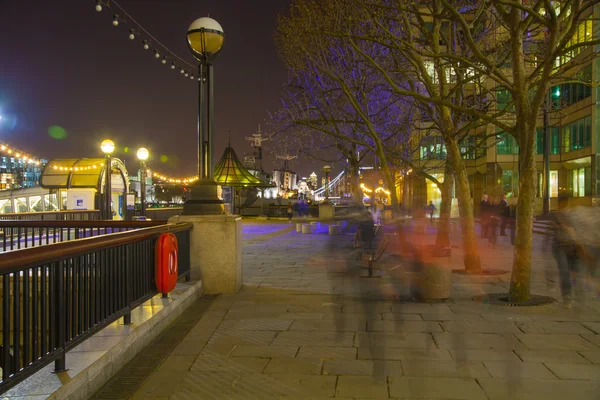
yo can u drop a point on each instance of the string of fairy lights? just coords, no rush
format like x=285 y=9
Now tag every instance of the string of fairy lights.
x=149 y=42
x=19 y=155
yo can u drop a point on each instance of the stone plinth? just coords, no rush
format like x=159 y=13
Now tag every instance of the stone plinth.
x=326 y=211
x=307 y=228
x=334 y=230
x=215 y=251
x=299 y=227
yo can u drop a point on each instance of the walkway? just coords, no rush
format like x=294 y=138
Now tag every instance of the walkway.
x=306 y=326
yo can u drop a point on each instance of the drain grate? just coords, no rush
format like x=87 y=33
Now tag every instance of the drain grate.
x=502 y=299
x=131 y=377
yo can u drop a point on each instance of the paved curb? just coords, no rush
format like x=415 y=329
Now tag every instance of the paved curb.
x=91 y=379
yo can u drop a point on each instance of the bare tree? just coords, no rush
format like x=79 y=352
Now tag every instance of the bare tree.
x=460 y=53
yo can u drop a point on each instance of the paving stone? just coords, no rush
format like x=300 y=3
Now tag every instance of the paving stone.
x=323 y=309
x=480 y=326
x=592 y=356
x=445 y=369
x=406 y=340
x=556 y=341
x=208 y=385
x=539 y=389
x=362 y=367
x=240 y=336
x=388 y=316
x=166 y=379
x=506 y=317
x=593 y=339
x=314 y=338
x=575 y=371
x=385 y=353
x=419 y=308
x=330 y=325
x=250 y=350
x=362 y=386
x=259 y=324
x=483 y=355
x=439 y=388
x=300 y=366
x=229 y=364
x=403 y=326
x=293 y=316
x=553 y=327
x=449 y=316
x=367 y=308
x=566 y=356
x=327 y=353
x=518 y=370
x=593 y=326
x=477 y=341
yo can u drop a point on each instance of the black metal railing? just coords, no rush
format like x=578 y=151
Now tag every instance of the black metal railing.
x=72 y=215
x=56 y=296
x=16 y=235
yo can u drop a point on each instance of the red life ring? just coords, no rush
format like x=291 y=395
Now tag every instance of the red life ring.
x=167 y=268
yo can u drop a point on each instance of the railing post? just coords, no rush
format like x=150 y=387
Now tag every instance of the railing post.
x=60 y=364
x=128 y=284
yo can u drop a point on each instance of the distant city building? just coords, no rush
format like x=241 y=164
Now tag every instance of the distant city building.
x=19 y=172
x=285 y=180
x=313 y=181
x=304 y=191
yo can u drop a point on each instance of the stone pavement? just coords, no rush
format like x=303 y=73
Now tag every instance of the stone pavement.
x=307 y=326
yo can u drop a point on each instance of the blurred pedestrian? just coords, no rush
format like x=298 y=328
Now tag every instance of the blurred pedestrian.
x=431 y=210
x=484 y=211
x=504 y=214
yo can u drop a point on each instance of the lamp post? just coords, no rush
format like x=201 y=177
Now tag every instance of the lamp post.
x=205 y=39
x=142 y=155
x=326 y=169
x=107 y=146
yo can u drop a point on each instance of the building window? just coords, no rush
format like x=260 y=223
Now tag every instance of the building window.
x=510 y=183
x=506 y=144
x=581 y=182
x=577 y=135
x=553 y=183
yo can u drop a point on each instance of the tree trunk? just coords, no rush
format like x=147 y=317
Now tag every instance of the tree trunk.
x=355 y=182
x=405 y=195
x=391 y=182
x=443 y=234
x=471 y=257
x=520 y=280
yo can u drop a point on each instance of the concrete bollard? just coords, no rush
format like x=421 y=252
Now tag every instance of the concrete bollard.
x=299 y=227
x=307 y=228
x=334 y=229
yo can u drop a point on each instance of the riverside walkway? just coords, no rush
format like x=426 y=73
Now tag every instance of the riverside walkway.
x=306 y=326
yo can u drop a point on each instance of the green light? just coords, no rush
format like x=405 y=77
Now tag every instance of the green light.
x=164 y=158
x=57 y=132
x=557 y=93
x=126 y=150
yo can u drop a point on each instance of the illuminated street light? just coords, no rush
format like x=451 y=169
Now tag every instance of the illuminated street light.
x=108 y=146
x=142 y=155
x=205 y=39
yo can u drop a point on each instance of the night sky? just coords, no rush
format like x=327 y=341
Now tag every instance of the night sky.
x=63 y=63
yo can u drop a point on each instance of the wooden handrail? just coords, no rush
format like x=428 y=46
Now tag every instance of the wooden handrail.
x=98 y=223
x=52 y=212
x=18 y=260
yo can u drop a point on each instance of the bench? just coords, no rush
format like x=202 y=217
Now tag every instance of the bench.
x=367 y=254
x=357 y=243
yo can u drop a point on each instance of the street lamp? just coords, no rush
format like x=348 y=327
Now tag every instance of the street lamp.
x=326 y=169
x=107 y=146
x=205 y=39
x=142 y=155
